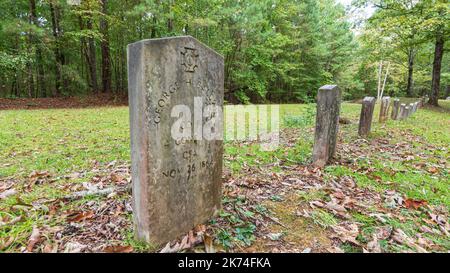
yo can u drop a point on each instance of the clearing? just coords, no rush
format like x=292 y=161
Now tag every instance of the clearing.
x=389 y=193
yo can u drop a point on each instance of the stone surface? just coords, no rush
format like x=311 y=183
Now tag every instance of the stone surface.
x=407 y=112
x=403 y=113
x=365 y=120
x=384 y=109
x=395 y=109
x=327 y=124
x=416 y=106
x=411 y=109
x=177 y=181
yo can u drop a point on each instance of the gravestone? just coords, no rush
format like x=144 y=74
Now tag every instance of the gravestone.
x=416 y=106
x=411 y=109
x=327 y=124
x=395 y=109
x=384 y=109
x=407 y=112
x=176 y=85
x=402 y=115
x=365 y=120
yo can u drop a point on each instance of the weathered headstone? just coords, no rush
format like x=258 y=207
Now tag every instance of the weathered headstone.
x=411 y=109
x=327 y=124
x=395 y=109
x=175 y=86
x=407 y=112
x=403 y=113
x=365 y=120
x=416 y=106
x=384 y=109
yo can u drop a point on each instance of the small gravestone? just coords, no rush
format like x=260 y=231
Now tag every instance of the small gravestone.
x=384 y=109
x=176 y=89
x=402 y=115
x=395 y=109
x=411 y=109
x=327 y=124
x=365 y=120
x=407 y=112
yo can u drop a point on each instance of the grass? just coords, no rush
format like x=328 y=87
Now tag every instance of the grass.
x=69 y=141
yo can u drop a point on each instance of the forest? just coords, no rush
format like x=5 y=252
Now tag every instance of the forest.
x=275 y=50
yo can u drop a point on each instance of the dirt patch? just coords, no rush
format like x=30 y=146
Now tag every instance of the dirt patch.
x=296 y=235
x=63 y=102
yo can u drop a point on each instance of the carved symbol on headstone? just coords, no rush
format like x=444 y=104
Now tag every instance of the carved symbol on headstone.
x=189 y=59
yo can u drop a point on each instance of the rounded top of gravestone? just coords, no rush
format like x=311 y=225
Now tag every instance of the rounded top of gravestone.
x=370 y=99
x=329 y=87
x=171 y=39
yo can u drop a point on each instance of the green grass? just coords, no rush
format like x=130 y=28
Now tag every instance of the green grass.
x=67 y=141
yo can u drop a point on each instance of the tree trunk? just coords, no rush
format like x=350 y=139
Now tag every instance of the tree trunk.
x=30 y=73
x=39 y=60
x=92 y=59
x=59 y=57
x=447 y=93
x=409 y=88
x=380 y=70
x=437 y=64
x=106 y=61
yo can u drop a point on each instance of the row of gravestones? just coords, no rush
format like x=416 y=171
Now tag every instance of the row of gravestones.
x=178 y=184
x=399 y=112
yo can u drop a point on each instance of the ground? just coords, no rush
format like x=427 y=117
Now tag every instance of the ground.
x=65 y=187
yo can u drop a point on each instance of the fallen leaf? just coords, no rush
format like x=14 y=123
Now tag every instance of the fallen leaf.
x=209 y=246
x=49 y=248
x=401 y=237
x=74 y=247
x=36 y=174
x=34 y=239
x=169 y=249
x=306 y=250
x=6 y=243
x=415 y=204
x=316 y=204
x=275 y=236
x=81 y=216
x=347 y=232
x=118 y=249
x=7 y=193
x=335 y=207
x=374 y=246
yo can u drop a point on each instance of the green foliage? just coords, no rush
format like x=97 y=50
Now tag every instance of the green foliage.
x=304 y=120
x=274 y=50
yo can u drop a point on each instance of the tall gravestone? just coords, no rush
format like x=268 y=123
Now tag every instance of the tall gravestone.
x=395 y=109
x=176 y=164
x=365 y=120
x=384 y=109
x=327 y=124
